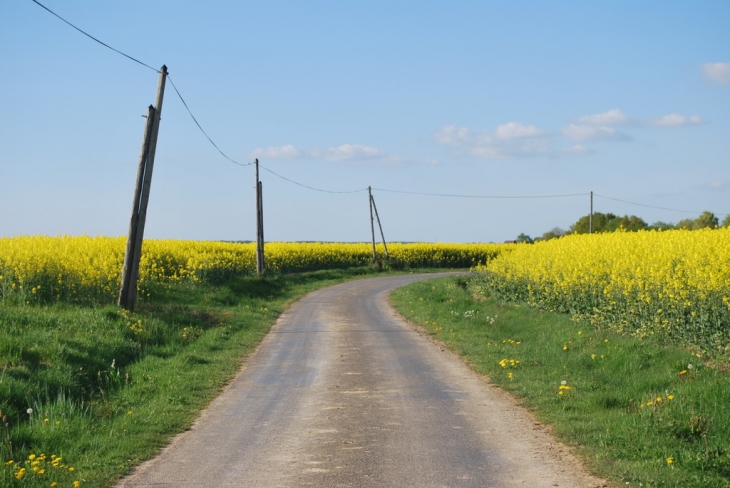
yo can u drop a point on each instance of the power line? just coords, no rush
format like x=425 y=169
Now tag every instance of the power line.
x=150 y=67
x=94 y=38
x=481 y=196
x=306 y=186
x=201 y=129
x=649 y=206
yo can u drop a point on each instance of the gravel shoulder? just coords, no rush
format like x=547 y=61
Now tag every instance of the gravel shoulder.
x=343 y=392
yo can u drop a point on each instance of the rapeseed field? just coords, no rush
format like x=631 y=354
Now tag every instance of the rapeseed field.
x=670 y=285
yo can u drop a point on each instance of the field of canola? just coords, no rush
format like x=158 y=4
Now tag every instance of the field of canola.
x=673 y=285
x=43 y=269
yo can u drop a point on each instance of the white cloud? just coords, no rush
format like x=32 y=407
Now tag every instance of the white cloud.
x=512 y=140
x=580 y=133
x=717 y=72
x=453 y=136
x=285 y=153
x=676 y=120
x=577 y=149
x=612 y=118
x=350 y=152
x=513 y=130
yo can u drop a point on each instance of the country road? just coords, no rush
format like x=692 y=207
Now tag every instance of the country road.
x=343 y=392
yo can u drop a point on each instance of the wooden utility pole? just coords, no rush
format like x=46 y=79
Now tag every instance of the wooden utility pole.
x=260 y=267
x=385 y=246
x=372 y=223
x=590 y=218
x=133 y=253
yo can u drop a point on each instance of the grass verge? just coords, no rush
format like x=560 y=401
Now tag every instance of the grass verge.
x=639 y=413
x=88 y=392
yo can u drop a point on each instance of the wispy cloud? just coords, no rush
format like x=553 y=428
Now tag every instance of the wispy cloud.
x=714 y=186
x=454 y=136
x=717 y=72
x=675 y=120
x=340 y=154
x=612 y=118
x=282 y=153
x=350 y=152
x=582 y=133
x=508 y=141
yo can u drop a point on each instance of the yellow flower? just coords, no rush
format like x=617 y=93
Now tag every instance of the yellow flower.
x=77 y=484
x=670 y=460
x=670 y=397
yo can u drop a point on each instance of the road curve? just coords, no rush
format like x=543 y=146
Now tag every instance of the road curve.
x=343 y=392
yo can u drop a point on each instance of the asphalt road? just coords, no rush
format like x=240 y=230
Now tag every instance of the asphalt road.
x=343 y=392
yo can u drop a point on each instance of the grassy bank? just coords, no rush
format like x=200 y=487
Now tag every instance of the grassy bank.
x=640 y=414
x=87 y=392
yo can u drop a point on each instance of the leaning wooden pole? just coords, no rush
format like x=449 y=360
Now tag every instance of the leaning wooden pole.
x=259 y=226
x=372 y=223
x=385 y=246
x=133 y=254
x=123 y=299
x=262 y=258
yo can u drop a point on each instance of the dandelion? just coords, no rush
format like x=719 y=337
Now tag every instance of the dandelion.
x=77 y=484
x=29 y=411
x=670 y=397
x=670 y=460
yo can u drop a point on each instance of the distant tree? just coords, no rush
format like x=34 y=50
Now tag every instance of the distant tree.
x=524 y=238
x=663 y=225
x=629 y=223
x=554 y=233
x=600 y=221
x=705 y=221
x=686 y=224
x=608 y=222
x=726 y=221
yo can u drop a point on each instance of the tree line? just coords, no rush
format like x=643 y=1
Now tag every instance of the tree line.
x=608 y=222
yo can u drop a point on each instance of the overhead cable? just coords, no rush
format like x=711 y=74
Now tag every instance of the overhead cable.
x=306 y=186
x=649 y=206
x=153 y=69
x=95 y=39
x=201 y=129
x=481 y=196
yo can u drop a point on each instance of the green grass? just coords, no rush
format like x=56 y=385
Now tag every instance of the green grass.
x=606 y=415
x=104 y=389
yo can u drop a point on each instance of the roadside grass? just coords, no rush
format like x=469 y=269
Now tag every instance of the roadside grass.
x=638 y=413
x=87 y=392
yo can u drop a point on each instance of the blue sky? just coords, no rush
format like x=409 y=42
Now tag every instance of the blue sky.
x=627 y=99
